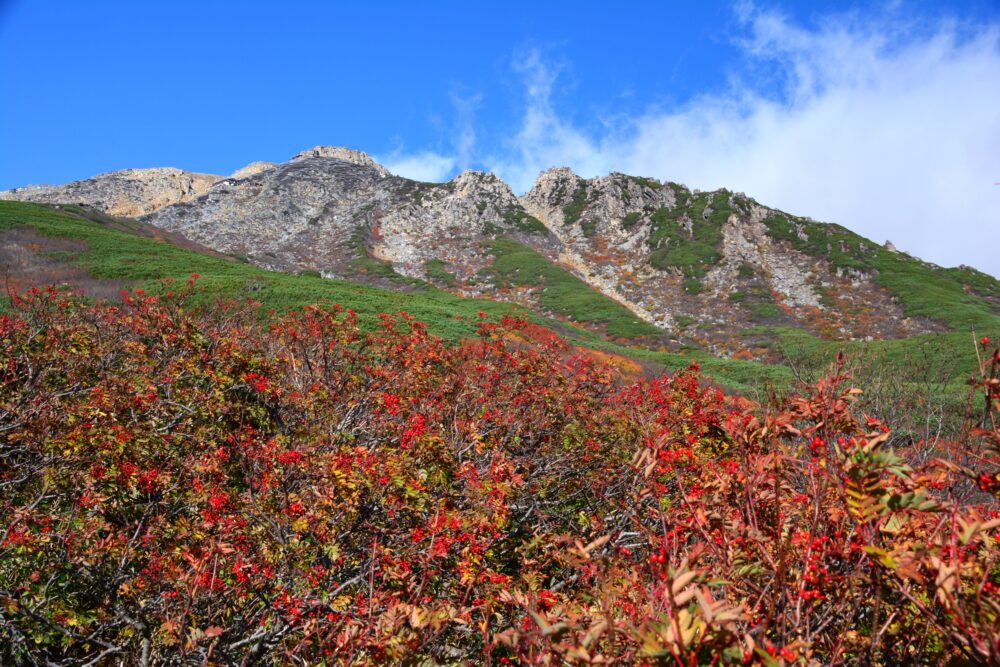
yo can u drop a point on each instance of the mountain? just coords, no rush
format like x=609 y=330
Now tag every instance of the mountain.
x=128 y=192
x=170 y=436
x=625 y=256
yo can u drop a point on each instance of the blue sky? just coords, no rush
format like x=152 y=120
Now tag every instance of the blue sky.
x=884 y=117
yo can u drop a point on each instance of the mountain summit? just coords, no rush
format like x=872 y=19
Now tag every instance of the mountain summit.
x=626 y=256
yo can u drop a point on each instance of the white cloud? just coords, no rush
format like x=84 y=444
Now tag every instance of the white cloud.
x=424 y=166
x=891 y=132
x=435 y=167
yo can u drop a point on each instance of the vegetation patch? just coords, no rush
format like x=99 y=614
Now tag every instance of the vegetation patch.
x=559 y=291
x=922 y=289
x=520 y=219
x=981 y=283
x=693 y=286
x=684 y=321
x=631 y=219
x=763 y=311
x=434 y=268
x=681 y=194
x=577 y=204
x=694 y=252
x=645 y=182
x=305 y=492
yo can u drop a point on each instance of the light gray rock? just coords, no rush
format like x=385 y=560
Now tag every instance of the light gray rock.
x=323 y=212
x=252 y=169
x=128 y=192
x=345 y=154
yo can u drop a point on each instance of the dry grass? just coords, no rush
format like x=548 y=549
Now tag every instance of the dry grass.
x=28 y=259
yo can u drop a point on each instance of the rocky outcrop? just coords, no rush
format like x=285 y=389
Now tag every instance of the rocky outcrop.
x=325 y=212
x=446 y=222
x=701 y=264
x=128 y=192
x=252 y=169
x=298 y=214
x=745 y=242
x=138 y=192
x=345 y=154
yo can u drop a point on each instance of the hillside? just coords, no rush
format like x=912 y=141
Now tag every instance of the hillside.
x=691 y=268
x=611 y=261
x=203 y=486
x=80 y=247
x=314 y=477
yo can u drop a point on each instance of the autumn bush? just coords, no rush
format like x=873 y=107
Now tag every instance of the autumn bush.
x=182 y=486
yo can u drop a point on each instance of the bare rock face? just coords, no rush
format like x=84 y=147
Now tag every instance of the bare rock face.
x=345 y=154
x=129 y=192
x=447 y=222
x=252 y=169
x=745 y=242
x=323 y=212
x=594 y=221
x=299 y=214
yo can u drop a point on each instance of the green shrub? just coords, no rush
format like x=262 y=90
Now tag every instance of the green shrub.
x=578 y=203
x=694 y=252
x=763 y=311
x=560 y=291
x=434 y=269
x=693 y=286
x=631 y=219
x=524 y=221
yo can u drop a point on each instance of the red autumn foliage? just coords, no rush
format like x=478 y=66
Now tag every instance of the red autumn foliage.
x=185 y=487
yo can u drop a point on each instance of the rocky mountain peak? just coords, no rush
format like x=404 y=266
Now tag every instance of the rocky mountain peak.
x=252 y=169
x=479 y=184
x=127 y=192
x=341 y=153
x=553 y=179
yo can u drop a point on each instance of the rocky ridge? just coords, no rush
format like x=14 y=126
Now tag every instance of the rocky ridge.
x=699 y=266
x=679 y=257
x=128 y=192
x=334 y=210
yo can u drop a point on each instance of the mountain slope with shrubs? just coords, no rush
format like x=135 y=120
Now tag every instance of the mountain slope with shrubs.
x=183 y=485
x=663 y=265
x=84 y=249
